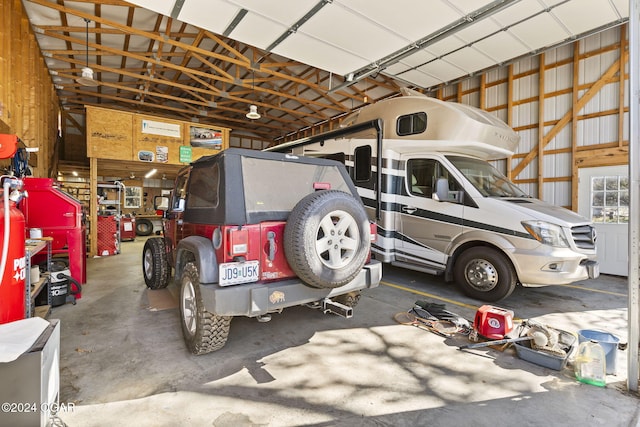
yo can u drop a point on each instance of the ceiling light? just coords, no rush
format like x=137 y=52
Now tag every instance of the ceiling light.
x=74 y=173
x=87 y=72
x=253 y=113
x=253 y=110
x=151 y=173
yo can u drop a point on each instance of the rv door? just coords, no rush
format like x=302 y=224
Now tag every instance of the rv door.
x=429 y=222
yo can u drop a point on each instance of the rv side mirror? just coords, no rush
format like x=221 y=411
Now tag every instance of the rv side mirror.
x=442 y=190
x=161 y=203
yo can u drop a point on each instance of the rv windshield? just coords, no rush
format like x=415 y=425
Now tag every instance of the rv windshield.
x=487 y=179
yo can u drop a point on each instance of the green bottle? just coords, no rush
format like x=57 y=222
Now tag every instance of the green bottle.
x=590 y=364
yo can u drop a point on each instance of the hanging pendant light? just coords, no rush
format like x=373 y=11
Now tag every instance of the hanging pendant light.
x=253 y=113
x=253 y=109
x=87 y=72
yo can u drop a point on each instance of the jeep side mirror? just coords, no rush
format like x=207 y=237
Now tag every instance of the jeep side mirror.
x=442 y=190
x=161 y=203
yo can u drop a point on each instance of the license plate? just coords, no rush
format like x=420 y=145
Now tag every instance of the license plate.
x=593 y=269
x=233 y=273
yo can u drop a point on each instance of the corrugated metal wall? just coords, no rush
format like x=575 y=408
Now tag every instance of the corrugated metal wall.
x=515 y=92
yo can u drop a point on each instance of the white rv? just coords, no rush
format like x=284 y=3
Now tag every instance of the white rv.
x=420 y=166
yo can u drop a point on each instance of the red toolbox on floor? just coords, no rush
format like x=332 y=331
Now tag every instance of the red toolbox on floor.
x=127 y=228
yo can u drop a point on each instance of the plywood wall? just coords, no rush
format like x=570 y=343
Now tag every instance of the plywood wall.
x=28 y=102
x=121 y=135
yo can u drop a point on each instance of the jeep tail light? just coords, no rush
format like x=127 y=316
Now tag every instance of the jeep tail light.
x=374 y=231
x=238 y=241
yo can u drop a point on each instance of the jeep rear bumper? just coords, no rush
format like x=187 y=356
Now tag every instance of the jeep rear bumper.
x=254 y=299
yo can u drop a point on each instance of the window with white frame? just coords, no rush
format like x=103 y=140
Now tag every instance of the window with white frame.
x=610 y=199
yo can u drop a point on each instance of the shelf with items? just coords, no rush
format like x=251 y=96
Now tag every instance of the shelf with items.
x=32 y=290
x=109 y=197
x=109 y=217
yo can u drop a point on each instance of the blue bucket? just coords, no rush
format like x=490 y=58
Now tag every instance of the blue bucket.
x=609 y=343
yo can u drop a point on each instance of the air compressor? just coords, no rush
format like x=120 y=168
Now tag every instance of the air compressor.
x=13 y=266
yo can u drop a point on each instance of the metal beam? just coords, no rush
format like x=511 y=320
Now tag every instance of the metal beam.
x=294 y=28
x=634 y=194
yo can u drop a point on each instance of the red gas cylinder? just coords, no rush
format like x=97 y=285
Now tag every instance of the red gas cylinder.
x=493 y=322
x=12 y=287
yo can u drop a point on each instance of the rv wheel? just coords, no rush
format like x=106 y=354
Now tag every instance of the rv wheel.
x=155 y=267
x=327 y=239
x=203 y=331
x=485 y=274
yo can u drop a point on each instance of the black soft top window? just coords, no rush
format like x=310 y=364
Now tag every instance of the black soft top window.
x=204 y=187
x=271 y=187
x=411 y=124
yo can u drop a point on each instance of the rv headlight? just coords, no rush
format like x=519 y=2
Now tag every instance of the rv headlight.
x=546 y=233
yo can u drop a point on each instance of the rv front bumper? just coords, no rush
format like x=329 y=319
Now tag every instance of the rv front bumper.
x=561 y=267
x=255 y=299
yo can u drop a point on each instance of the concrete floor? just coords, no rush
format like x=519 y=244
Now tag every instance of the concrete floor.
x=123 y=361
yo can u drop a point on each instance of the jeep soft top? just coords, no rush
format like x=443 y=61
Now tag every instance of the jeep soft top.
x=249 y=233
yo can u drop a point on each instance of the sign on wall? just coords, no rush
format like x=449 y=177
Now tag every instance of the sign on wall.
x=205 y=138
x=161 y=128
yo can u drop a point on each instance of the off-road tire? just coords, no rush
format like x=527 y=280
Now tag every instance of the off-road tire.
x=327 y=238
x=144 y=227
x=485 y=274
x=203 y=331
x=155 y=266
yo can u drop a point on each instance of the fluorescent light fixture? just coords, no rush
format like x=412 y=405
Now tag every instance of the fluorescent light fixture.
x=151 y=173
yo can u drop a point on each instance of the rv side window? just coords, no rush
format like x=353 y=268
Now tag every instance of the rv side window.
x=362 y=163
x=411 y=124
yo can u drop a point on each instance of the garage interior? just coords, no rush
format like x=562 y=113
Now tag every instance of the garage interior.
x=78 y=82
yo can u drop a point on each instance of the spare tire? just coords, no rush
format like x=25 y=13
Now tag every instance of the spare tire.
x=327 y=238
x=144 y=227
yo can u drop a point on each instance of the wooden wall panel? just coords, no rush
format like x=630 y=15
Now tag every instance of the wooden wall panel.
x=109 y=134
x=120 y=135
x=28 y=102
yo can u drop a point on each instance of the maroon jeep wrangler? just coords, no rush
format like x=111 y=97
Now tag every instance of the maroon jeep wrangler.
x=248 y=233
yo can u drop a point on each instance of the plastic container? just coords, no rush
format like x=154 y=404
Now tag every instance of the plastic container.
x=590 y=364
x=609 y=343
x=565 y=339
